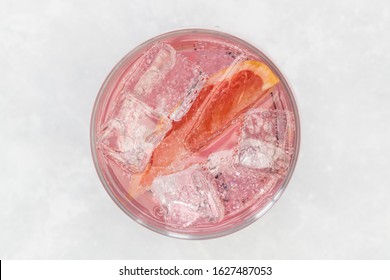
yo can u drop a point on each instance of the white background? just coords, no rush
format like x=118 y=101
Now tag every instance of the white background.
x=54 y=56
x=280 y=269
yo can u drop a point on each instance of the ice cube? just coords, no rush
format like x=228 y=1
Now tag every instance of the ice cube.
x=165 y=80
x=132 y=133
x=160 y=59
x=238 y=186
x=266 y=141
x=210 y=55
x=260 y=154
x=188 y=197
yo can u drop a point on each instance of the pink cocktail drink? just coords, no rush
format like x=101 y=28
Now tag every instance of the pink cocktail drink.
x=195 y=134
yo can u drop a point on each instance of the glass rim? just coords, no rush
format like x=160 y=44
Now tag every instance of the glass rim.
x=252 y=218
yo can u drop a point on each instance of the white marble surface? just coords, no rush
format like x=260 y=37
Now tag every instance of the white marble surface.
x=54 y=56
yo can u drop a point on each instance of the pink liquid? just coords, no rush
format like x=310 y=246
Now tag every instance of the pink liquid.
x=225 y=185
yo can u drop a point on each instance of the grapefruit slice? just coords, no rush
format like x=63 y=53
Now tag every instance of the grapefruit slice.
x=225 y=98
